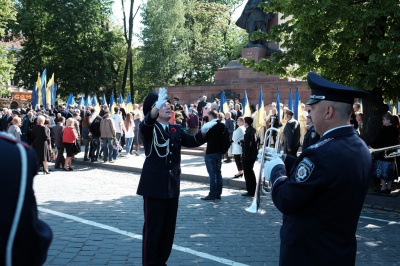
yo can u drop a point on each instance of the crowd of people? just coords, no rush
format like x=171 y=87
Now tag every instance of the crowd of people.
x=106 y=136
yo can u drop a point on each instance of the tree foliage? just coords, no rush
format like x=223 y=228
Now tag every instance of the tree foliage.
x=71 y=39
x=352 y=42
x=186 y=41
x=7 y=15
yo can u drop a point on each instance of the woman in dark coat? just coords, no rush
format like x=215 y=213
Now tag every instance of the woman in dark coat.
x=41 y=142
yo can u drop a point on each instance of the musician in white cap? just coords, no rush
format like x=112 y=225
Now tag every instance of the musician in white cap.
x=160 y=179
x=321 y=193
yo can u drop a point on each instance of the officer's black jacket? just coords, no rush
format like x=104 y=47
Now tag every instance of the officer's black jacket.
x=160 y=176
x=33 y=236
x=321 y=200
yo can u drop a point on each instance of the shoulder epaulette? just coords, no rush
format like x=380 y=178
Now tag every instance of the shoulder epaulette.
x=11 y=139
x=320 y=143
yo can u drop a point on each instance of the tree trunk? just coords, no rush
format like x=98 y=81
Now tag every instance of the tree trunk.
x=373 y=109
x=132 y=89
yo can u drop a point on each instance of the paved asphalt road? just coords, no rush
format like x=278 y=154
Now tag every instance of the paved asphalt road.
x=97 y=219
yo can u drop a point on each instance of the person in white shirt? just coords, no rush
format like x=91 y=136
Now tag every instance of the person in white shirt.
x=118 y=123
x=129 y=129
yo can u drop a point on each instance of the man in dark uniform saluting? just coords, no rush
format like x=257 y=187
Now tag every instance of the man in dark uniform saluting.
x=321 y=193
x=24 y=239
x=160 y=179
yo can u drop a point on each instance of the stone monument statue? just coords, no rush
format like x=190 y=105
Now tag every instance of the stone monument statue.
x=254 y=18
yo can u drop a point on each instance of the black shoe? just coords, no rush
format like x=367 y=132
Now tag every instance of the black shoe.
x=387 y=191
x=65 y=169
x=217 y=197
x=70 y=169
x=86 y=159
x=238 y=175
x=227 y=161
x=46 y=172
x=247 y=194
x=208 y=198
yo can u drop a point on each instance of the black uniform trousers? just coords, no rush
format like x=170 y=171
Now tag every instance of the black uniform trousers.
x=158 y=230
x=249 y=176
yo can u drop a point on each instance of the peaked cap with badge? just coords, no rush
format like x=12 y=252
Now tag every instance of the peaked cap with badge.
x=322 y=89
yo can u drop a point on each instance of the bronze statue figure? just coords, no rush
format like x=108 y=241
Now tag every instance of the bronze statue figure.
x=254 y=18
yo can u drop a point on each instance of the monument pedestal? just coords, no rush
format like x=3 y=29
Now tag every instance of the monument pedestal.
x=234 y=72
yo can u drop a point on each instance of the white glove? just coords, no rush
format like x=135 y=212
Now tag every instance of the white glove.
x=269 y=165
x=162 y=98
x=269 y=154
x=206 y=127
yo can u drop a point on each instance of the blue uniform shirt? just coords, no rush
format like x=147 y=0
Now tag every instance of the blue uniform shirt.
x=321 y=200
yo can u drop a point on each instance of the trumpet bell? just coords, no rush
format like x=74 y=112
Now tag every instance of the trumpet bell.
x=254 y=209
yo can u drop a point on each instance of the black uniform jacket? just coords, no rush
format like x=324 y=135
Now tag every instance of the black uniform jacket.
x=249 y=146
x=160 y=176
x=321 y=200
x=33 y=236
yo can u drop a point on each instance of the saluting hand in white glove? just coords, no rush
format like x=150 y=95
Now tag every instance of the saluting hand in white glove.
x=162 y=98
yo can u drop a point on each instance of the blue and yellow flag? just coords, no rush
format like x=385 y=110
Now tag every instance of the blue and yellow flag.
x=261 y=111
x=34 y=96
x=43 y=88
x=297 y=105
x=39 y=91
x=104 y=100
x=278 y=103
x=246 y=106
x=81 y=102
x=95 y=104
x=88 y=101
x=223 y=105
x=128 y=104
x=290 y=104
x=71 y=100
x=49 y=89
x=121 y=101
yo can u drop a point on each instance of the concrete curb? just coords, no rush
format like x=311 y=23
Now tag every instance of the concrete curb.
x=372 y=200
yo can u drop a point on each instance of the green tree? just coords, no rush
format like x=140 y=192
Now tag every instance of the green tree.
x=71 y=39
x=186 y=41
x=356 y=43
x=7 y=15
x=163 y=31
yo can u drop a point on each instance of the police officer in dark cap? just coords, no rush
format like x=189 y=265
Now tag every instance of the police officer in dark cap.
x=177 y=105
x=321 y=193
x=24 y=239
x=160 y=179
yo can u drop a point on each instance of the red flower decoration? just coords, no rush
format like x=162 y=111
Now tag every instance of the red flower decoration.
x=173 y=130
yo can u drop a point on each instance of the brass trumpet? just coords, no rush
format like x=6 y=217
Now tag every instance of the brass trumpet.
x=263 y=186
x=394 y=153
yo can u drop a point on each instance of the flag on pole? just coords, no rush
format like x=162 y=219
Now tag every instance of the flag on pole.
x=81 y=102
x=278 y=103
x=121 y=101
x=104 y=100
x=43 y=88
x=54 y=94
x=34 y=96
x=261 y=111
x=88 y=101
x=48 y=90
x=39 y=91
x=223 y=106
x=246 y=106
x=128 y=104
x=71 y=100
x=112 y=103
x=297 y=105
x=95 y=103
x=290 y=104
